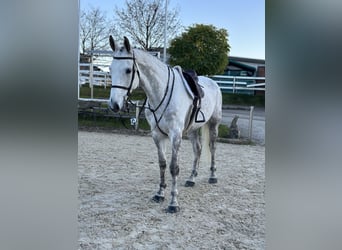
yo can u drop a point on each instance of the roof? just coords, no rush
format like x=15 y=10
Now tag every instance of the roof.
x=247 y=60
x=241 y=65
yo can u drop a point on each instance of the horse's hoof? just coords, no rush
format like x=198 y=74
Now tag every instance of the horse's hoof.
x=189 y=183
x=212 y=180
x=158 y=198
x=173 y=209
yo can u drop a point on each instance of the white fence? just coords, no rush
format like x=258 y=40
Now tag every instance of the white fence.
x=233 y=84
x=240 y=84
x=100 y=78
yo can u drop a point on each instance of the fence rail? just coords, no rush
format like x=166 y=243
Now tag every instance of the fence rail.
x=240 y=84
x=233 y=84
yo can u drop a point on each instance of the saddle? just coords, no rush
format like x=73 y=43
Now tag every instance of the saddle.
x=192 y=80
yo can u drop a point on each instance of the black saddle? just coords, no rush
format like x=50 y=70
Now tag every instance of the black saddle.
x=192 y=80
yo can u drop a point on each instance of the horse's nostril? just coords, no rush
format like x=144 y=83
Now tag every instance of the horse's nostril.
x=116 y=107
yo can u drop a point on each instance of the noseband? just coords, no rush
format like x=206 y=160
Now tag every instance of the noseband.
x=134 y=69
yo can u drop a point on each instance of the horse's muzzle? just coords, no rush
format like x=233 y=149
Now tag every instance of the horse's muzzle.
x=114 y=106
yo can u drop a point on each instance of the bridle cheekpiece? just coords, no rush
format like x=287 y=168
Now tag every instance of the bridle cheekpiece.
x=134 y=70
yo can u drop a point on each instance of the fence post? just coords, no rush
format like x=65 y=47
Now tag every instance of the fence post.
x=78 y=82
x=250 y=122
x=234 y=84
x=91 y=76
x=137 y=109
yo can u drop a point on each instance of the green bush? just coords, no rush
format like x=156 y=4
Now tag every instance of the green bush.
x=241 y=99
x=223 y=131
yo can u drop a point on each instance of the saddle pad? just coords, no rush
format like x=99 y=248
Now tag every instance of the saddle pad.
x=196 y=114
x=186 y=85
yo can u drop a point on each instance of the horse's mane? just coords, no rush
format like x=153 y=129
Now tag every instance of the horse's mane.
x=149 y=56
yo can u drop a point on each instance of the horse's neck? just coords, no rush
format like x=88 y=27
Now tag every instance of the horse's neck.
x=154 y=77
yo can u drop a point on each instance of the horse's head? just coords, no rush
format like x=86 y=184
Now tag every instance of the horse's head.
x=124 y=72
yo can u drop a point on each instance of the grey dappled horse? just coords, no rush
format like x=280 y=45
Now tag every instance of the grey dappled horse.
x=171 y=110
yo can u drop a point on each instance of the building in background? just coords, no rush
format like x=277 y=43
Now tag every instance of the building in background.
x=246 y=67
x=240 y=66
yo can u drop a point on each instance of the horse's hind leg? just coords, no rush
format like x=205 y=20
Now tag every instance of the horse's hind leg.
x=213 y=133
x=160 y=143
x=196 y=146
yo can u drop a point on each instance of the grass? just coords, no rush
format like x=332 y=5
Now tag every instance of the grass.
x=109 y=122
x=105 y=122
x=241 y=99
x=101 y=92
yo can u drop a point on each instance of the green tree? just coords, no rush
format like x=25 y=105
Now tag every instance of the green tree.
x=203 y=48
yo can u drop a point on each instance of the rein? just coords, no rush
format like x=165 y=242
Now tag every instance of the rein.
x=163 y=99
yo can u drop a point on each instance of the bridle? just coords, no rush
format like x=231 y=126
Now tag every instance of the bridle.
x=129 y=88
x=134 y=70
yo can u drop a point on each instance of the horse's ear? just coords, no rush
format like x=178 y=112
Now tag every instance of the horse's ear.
x=111 y=42
x=127 y=45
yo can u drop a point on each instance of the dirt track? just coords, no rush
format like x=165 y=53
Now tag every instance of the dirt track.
x=119 y=174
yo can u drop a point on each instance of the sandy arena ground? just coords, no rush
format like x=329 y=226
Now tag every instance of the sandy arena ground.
x=119 y=174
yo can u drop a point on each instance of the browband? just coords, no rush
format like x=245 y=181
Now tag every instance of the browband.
x=123 y=58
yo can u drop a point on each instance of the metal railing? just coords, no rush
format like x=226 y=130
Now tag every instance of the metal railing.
x=240 y=84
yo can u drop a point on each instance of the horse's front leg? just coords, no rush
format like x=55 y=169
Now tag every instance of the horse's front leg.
x=160 y=143
x=174 y=170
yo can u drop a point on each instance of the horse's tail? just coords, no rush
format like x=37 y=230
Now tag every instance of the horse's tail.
x=205 y=138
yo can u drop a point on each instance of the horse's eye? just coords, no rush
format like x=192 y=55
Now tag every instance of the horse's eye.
x=128 y=71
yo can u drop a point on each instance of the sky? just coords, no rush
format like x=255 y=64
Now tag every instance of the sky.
x=243 y=19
